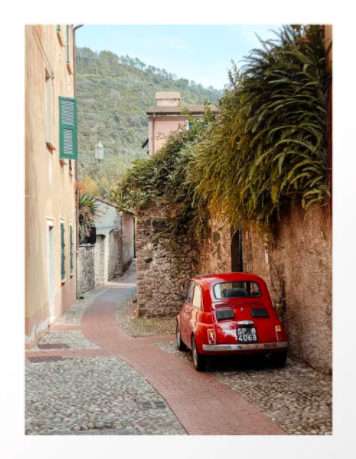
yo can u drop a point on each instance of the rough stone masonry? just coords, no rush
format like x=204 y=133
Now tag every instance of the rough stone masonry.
x=163 y=273
x=297 y=269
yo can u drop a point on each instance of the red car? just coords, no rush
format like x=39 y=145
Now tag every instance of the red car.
x=230 y=314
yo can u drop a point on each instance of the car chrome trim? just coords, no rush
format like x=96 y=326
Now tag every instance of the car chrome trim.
x=245 y=322
x=244 y=347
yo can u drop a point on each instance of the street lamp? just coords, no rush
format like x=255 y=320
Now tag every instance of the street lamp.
x=99 y=151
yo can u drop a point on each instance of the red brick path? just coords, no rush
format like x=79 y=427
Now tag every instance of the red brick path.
x=202 y=404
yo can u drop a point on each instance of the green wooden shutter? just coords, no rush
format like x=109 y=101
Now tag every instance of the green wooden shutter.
x=63 y=269
x=71 y=249
x=68 y=148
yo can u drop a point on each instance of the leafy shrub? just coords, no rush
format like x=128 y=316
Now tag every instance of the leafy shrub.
x=161 y=180
x=268 y=148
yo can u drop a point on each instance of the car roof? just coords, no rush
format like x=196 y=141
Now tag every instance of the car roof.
x=226 y=277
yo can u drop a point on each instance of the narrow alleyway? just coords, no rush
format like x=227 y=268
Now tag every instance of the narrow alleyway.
x=89 y=376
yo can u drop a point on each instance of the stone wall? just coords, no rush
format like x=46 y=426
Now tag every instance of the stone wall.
x=101 y=260
x=115 y=260
x=86 y=268
x=296 y=267
x=298 y=270
x=128 y=231
x=161 y=273
x=215 y=254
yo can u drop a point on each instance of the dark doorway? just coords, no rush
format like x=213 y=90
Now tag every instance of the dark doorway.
x=236 y=251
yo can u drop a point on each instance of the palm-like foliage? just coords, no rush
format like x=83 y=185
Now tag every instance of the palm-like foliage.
x=88 y=210
x=269 y=148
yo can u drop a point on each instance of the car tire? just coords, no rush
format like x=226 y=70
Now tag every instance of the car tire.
x=199 y=360
x=180 y=345
x=280 y=359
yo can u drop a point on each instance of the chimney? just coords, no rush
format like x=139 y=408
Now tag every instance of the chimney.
x=167 y=99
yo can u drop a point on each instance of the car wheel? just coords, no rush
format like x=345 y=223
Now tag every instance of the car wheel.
x=280 y=359
x=180 y=345
x=199 y=360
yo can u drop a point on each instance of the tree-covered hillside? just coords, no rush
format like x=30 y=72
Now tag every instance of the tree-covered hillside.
x=113 y=94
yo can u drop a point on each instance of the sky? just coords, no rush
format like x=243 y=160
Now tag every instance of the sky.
x=202 y=53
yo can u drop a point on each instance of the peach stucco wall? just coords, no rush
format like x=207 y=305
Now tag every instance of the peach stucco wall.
x=49 y=187
x=159 y=128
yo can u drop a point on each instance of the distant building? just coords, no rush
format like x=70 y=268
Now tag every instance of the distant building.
x=166 y=116
x=50 y=154
x=113 y=251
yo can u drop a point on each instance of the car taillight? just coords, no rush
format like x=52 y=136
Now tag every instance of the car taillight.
x=211 y=335
x=279 y=333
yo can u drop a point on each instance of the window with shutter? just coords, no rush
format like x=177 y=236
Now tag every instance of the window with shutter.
x=71 y=249
x=68 y=128
x=63 y=269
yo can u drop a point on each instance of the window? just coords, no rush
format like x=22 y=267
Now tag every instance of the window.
x=71 y=249
x=63 y=269
x=190 y=291
x=49 y=110
x=68 y=128
x=197 y=297
x=237 y=289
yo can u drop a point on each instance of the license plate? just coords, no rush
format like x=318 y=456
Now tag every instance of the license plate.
x=247 y=335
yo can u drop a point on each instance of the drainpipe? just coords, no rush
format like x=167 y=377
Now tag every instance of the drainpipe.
x=153 y=134
x=77 y=293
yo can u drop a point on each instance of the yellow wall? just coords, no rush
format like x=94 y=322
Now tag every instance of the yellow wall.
x=49 y=188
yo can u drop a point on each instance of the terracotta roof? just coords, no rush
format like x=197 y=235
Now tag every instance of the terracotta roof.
x=192 y=108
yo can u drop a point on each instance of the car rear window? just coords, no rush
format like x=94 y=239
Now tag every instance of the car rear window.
x=237 y=289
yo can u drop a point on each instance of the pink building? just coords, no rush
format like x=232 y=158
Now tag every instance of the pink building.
x=166 y=117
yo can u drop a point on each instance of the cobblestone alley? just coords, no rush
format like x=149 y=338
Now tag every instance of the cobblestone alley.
x=100 y=372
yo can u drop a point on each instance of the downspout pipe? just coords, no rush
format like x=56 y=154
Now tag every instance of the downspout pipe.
x=153 y=134
x=77 y=293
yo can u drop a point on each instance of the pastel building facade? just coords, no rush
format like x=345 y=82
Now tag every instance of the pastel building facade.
x=166 y=116
x=50 y=154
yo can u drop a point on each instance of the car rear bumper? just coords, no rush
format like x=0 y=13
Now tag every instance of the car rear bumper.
x=245 y=347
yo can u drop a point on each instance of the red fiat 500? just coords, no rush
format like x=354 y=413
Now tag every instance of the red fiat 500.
x=230 y=314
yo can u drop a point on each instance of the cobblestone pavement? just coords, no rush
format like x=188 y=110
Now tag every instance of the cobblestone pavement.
x=98 y=379
x=296 y=397
x=94 y=394
x=143 y=326
x=60 y=339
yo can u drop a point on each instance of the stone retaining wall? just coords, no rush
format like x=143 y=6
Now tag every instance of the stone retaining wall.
x=298 y=271
x=86 y=268
x=163 y=273
x=215 y=253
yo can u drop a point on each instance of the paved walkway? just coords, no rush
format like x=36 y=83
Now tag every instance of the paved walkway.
x=200 y=402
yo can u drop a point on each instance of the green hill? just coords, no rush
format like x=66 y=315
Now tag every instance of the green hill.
x=113 y=94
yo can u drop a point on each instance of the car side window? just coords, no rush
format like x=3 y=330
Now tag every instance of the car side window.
x=190 y=291
x=197 y=297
